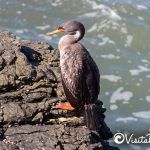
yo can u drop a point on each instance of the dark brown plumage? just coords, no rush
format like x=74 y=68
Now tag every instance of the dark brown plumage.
x=80 y=74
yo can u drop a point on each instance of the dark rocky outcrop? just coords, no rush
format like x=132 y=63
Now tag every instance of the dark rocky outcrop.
x=30 y=87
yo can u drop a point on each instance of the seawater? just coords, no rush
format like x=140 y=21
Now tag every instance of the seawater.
x=118 y=38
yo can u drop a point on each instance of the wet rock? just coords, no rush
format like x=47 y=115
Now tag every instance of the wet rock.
x=28 y=77
x=50 y=137
x=30 y=87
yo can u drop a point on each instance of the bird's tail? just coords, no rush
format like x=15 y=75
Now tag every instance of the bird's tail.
x=90 y=116
x=94 y=119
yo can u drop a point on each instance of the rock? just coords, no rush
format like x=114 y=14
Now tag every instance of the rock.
x=50 y=137
x=30 y=87
x=28 y=78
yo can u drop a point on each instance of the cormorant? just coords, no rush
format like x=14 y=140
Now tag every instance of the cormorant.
x=79 y=72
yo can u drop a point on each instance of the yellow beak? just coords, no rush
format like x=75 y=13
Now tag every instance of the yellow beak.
x=55 y=31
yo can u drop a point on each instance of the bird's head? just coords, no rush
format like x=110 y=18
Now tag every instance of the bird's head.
x=70 y=26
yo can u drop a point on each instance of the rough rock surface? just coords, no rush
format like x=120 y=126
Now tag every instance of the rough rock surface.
x=30 y=86
x=29 y=73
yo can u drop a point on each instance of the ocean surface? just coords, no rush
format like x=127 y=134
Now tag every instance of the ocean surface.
x=118 y=38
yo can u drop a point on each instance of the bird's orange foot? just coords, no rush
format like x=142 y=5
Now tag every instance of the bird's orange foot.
x=64 y=106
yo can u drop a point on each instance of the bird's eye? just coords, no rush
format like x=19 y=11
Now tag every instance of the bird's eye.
x=72 y=33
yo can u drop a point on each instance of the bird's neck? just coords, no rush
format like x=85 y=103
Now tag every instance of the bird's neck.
x=70 y=39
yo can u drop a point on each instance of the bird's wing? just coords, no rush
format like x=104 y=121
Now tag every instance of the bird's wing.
x=92 y=77
x=71 y=64
x=80 y=73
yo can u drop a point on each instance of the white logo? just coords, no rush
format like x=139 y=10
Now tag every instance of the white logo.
x=119 y=138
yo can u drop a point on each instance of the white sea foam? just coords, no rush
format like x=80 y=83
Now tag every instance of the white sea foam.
x=110 y=56
x=138 y=84
x=103 y=10
x=45 y=37
x=126 y=119
x=120 y=95
x=147 y=76
x=45 y=17
x=93 y=28
x=57 y=3
x=118 y=50
x=135 y=72
x=19 y=12
x=148 y=98
x=124 y=30
x=129 y=40
x=23 y=4
x=139 y=53
x=140 y=79
x=111 y=78
x=142 y=114
x=105 y=40
x=145 y=61
x=140 y=18
x=20 y=31
x=129 y=61
x=141 y=99
x=107 y=93
x=90 y=14
x=113 y=107
x=42 y=27
x=141 y=7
